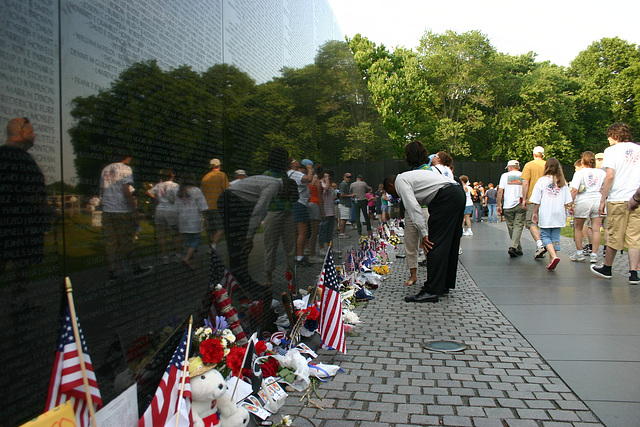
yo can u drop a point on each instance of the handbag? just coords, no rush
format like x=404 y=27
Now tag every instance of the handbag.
x=582 y=188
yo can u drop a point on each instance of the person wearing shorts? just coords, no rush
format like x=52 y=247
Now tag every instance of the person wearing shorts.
x=622 y=167
x=585 y=191
x=344 y=203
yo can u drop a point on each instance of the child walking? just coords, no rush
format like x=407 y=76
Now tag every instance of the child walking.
x=551 y=198
x=190 y=203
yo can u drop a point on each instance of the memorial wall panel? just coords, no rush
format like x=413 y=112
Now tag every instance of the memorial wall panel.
x=129 y=102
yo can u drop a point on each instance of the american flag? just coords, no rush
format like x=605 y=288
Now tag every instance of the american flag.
x=165 y=406
x=331 y=325
x=229 y=283
x=66 y=379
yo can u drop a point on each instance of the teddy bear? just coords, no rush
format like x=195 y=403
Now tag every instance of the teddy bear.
x=232 y=415
x=211 y=405
x=207 y=386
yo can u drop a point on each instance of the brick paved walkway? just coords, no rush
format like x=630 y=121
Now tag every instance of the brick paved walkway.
x=390 y=380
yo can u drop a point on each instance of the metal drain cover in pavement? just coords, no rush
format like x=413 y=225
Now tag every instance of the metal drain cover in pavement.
x=444 y=346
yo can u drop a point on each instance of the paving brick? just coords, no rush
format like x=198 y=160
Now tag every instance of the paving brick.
x=452 y=420
x=502 y=413
x=535 y=414
x=522 y=423
x=440 y=410
x=487 y=422
x=424 y=420
x=560 y=415
x=470 y=411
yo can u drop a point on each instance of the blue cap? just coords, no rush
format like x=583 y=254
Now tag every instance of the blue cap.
x=431 y=159
x=306 y=162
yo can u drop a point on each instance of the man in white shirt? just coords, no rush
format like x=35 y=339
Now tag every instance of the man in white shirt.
x=441 y=239
x=119 y=216
x=510 y=205
x=622 y=165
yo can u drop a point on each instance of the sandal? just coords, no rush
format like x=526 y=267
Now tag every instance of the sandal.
x=410 y=282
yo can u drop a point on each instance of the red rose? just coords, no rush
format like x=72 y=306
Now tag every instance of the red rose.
x=313 y=313
x=270 y=367
x=234 y=360
x=288 y=275
x=212 y=351
x=261 y=347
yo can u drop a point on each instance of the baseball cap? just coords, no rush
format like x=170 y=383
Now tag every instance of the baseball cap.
x=512 y=163
x=538 y=150
x=600 y=156
x=215 y=162
x=240 y=172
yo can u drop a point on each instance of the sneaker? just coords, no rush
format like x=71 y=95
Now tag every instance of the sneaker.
x=315 y=259
x=469 y=232
x=577 y=257
x=593 y=258
x=540 y=251
x=142 y=271
x=512 y=252
x=519 y=252
x=343 y=236
x=304 y=262
x=633 y=277
x=602 y=271
x=459 y=251
x=554 y=262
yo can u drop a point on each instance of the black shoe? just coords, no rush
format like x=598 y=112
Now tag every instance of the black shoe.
x=633 y=277
x=423 y=263
x=519 y=252
x=512 y=252
x=304 y=262
x=142 y=271
x=603 y=271
x=422 y=297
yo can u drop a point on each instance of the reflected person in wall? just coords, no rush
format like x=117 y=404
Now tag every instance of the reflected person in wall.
x=244 y=206
x=25 y=214
x=119 y=216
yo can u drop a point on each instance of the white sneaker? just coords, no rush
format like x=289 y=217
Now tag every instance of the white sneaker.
x=577 y=257
x=315 y=260
x=593 y=258
x=469 y=232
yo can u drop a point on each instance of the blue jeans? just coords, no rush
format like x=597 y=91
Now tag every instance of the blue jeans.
x=492 y=212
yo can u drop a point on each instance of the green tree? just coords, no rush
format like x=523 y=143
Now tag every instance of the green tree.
x=456 y=67
x=607 y=72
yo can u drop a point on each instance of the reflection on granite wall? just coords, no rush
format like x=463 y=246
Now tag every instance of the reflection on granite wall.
x=129 y=101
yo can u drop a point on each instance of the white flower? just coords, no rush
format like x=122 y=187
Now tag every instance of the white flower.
x=228 y=335
x=287 y=420
x=226 y=352
x=224 y=342
x=199 y=330
x=208 y=331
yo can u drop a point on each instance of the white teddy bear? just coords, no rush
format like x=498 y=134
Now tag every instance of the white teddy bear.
x=211 y=405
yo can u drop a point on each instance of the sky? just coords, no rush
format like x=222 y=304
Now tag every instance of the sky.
x=556 y=30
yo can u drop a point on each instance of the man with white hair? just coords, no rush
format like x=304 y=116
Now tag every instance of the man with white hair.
x=530 y=174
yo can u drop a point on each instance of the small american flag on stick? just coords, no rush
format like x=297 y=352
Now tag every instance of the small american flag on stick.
x=331 y=325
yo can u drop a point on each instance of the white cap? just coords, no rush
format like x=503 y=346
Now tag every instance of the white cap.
x=538 y=150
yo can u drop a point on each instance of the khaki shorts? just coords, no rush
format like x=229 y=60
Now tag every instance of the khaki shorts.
x=345 y=211
x=528 y=222
x=623 y=226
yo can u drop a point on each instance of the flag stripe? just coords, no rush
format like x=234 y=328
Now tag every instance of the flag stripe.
x=331 y=324
x=66 y=382
x=165 y=402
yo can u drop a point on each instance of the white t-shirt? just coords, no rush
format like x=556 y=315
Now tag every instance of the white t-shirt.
x=165 y=193
x=592 y=179
x=624 y=159
x=112 y=181
x=511 y=184
x=552 y=199
x=467 y=191
x=303 y=188
x=444 y=170
x=189 y=210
